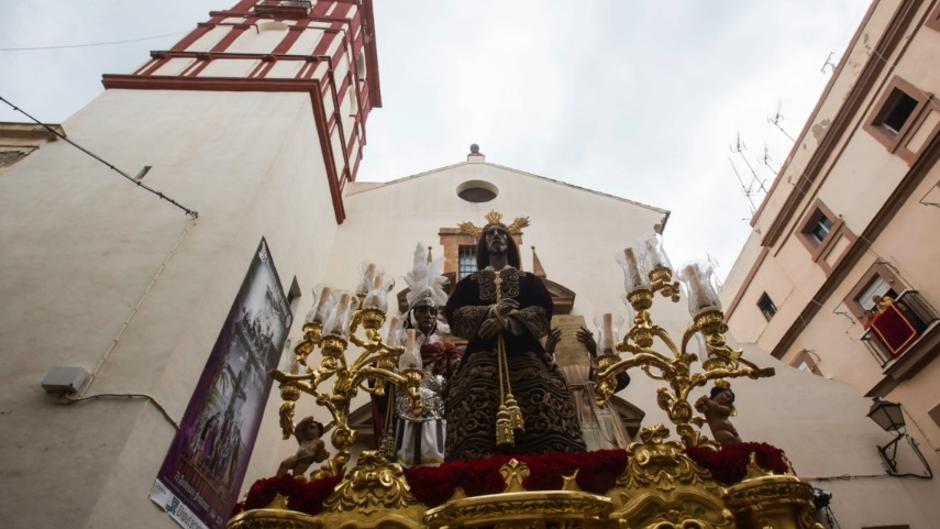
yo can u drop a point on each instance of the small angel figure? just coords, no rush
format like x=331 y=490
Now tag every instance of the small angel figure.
x=717 y=407
x=312 y=449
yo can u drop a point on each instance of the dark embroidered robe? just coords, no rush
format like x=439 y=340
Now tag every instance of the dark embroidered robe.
x=472 y=400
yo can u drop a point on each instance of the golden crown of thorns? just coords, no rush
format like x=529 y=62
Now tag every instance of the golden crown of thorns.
x=494 y=218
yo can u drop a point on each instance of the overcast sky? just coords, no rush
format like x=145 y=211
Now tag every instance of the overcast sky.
x=638 y=99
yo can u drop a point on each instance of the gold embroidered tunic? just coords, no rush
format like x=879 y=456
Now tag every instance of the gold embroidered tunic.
x=472 y=400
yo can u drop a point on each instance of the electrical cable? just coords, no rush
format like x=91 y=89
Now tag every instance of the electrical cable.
x=91 y=44
x=192 y=213
x=68 y=399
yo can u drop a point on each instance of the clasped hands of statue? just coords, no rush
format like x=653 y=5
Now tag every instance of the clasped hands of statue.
x=498 y=320
x=584 y=336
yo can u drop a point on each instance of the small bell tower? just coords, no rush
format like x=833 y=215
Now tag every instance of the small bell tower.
x=324 y=48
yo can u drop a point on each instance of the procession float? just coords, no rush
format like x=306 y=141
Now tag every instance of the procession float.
x=670 y=477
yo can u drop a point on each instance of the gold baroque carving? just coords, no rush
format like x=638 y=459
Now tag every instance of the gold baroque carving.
x=274 y=519
x=784 y=502
x=372 y=485
x=659 y=464
x=523 y=510
x=662 y=488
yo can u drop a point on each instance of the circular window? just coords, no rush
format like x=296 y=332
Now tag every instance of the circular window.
x=477 y=191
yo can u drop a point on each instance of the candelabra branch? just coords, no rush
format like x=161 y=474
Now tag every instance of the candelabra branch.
x=675 y=369
x=370 y=371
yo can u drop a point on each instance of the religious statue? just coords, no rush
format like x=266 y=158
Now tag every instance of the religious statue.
x=507 y=395
x=601 y=426
x=717 y=407
x=419 y=439
x=311 y=450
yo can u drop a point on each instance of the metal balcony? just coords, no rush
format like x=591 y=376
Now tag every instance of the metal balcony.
x=283 y=8
x=892 y=333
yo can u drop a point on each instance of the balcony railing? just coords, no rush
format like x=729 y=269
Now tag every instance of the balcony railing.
x=897 y=328
x=283 y=8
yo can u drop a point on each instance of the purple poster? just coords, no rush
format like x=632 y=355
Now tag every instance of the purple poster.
x=202 y=474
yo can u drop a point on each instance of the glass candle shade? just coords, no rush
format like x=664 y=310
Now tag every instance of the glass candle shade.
x=322 y=301
x=295 y=367
x=338 y=321
x=609 y=327
x=701 y=286
x=367 y=272
x=393 y=337
x=636 y=270
x=653 y=246
x=377 y=294
x=411 y=358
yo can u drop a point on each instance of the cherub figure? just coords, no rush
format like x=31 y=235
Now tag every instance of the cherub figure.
x=717 y=407
x=312 y=450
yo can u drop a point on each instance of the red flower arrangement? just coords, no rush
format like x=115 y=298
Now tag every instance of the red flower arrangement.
x=597 y=473
x=312 y=494
x=432 y=486
x=302 y=496
x=729 y=465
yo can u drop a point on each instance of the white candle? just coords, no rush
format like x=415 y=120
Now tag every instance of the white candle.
x=342 y=310
x=295 y=367
x=608 y=338
x=322 y=305
x=697 y=280
x=373 y=299
x=411 y=359
x=368 y=275
x=634 y=277
x=392 y=337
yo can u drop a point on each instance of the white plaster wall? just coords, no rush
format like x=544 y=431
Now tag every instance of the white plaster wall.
x=260 y=38
x=822 y=426
x=285 y=69
x=175 y=66
x=210 y=39
x=82 y=246
x=229 y=68
x=307 y=42
x=739 y=270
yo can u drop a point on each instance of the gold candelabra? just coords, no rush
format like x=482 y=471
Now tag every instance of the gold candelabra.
x=647 y=272
x=375 y=366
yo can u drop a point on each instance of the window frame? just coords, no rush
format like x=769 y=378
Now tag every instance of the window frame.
x=460 y=249
x=773 y=305
x=933 y=20
x=875 y=270
x=804 y=357
x=819 y=250
x=874 y=123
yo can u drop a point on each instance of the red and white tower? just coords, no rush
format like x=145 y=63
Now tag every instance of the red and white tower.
x=324 y=48
x=256 y=120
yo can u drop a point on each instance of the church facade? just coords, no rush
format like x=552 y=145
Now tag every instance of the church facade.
x=257 y=121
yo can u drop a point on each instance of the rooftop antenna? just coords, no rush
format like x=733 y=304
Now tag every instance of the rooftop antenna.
x=829 y=63
x=754 y=185
x=714 y=262
x=747 y=193
x=775 y=121
x=766 y=160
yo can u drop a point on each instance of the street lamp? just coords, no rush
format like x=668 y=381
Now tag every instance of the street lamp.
x=887 y=415
x=890 y=417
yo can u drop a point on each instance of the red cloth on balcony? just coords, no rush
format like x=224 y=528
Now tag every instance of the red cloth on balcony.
x=894 y=329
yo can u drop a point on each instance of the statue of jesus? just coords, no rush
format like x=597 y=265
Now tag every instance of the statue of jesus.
x=503 y=312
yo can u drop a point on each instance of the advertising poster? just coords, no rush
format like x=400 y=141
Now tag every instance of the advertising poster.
x=202 y=474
